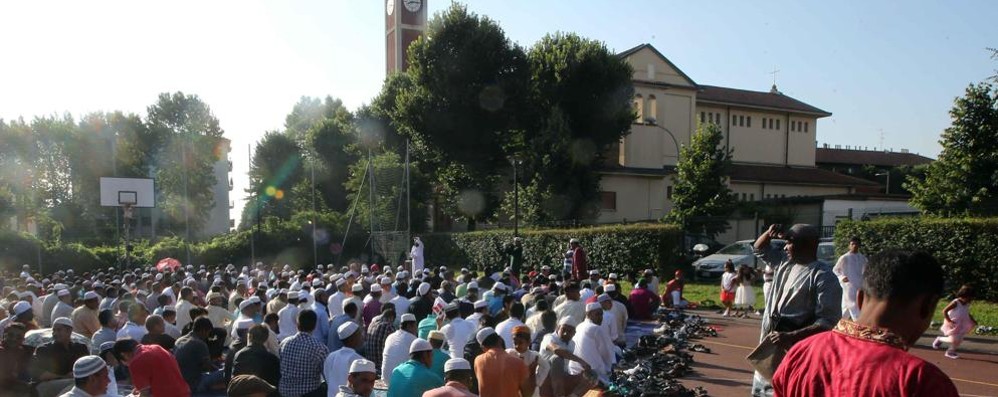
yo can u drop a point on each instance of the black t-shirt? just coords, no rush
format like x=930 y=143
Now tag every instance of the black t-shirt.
x=56 y=358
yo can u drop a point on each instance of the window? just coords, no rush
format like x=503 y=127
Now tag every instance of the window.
x=752 y=196
x=652 y=107
x=741 y=121
x=770 y=122
x=749 y=119
x=651 y=71
x=703 y=117
x=744 y=196
x=639 y=109
x=792 y=126
x=609 y=200
x=805 y=126
x=668 y=192
x=777 y=123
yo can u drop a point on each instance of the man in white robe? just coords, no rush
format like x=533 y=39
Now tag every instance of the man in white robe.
x=593 y=345
x=416 y=254
x=849 y=269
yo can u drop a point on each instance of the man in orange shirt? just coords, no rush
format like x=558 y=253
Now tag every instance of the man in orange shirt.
x=500 y=374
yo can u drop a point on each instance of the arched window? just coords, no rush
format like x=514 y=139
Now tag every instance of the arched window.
x=639 y=109
x=652 y=107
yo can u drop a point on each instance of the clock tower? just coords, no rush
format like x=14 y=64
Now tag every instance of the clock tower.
x=405 y=21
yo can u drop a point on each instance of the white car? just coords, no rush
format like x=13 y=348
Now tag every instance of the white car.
x=739 y=252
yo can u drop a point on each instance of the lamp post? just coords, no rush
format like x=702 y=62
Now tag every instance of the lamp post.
x=516 y=161
x=887 y=188
x=650 y=121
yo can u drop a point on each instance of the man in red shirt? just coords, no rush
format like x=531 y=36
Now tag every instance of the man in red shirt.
x=673 y=296
x=154 y=371
x=643 y=301
x=580 y=267
x=897 y=301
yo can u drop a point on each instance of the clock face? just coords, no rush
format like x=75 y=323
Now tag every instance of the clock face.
x=413 y=5
x=390 y=7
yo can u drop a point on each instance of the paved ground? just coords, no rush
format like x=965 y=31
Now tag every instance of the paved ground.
x=724 y=372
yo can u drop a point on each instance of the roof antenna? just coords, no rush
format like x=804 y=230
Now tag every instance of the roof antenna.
x=774 y=90
x=881 y=137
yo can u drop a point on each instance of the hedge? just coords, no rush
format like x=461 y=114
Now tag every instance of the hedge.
x=967 y=248
x=622 y=249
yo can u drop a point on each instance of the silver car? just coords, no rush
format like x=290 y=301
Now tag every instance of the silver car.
x=739 y=252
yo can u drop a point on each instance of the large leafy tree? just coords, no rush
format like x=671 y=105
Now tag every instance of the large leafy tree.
x=463 y=106
x=964 y=180
x=184 y=173
x=275 y=171
x=701 y=198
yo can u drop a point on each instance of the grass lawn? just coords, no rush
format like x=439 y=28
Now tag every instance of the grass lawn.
x=986 y=313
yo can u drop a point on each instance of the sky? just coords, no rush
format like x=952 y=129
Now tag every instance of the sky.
x=887 y=70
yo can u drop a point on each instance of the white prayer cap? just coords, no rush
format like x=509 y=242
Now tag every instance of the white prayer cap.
x=244 y=323
x=436 y=335
x=90 y=295
x=340 y=282
x=385 y=280
x=271 y=293
x=376 y=288
x=569 y=321
x=423 y=289
x=457 y=364
x=484 y=333
x=358 y=288
x=603 y=298
x=292 y=294
x=464 y=270
x=87 y=365
x=574 y=240
x=610 y=287
x=57 y=286
x=362 y=365
x=552 y=277
x=594 y=272
x=408 y=317
x=254 y=299
x=545 y=267
x=364 y=269
x=244 y=304
x=20 y=307
x=481 y=303
x=499 y=287
x=473 y=285
x=159 y=277
x=317 y=282
x=63 y=292
x=420 y=345
x=613 y=276
x=347 y=329
x=62 y=321
x=593 y=306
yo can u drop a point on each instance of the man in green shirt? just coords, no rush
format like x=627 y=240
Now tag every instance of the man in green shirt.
x=414 y=377
x=440 y=357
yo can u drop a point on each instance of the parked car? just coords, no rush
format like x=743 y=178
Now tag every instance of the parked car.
x=826 y=253
x=692 y=239
x=739 y=252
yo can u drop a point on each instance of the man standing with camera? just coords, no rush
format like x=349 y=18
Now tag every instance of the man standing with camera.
x=805 y=297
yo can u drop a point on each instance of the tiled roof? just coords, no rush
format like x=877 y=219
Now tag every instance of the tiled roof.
x=757 y=99
x=867 y=157
x=794 y=176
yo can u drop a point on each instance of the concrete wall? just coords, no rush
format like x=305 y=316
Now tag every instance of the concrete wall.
x=754 y=142
x=645 y=60
x=638 y=197
x=768 y=190
x=650 y=146
x=835 y=210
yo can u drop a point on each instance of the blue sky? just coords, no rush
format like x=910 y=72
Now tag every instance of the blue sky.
x=883 y=66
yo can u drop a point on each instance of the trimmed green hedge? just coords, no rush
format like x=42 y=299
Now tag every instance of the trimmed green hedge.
x=618 y=248
x=967 y=248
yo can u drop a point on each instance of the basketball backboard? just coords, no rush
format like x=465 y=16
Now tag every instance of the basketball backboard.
x=120 y=192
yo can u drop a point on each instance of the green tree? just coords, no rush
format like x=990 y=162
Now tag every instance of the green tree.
x=701 y=198
x=463 y=106
x=389 y=193
x=275 y=170
x=582 y=97
x=964 y=180
x=184 y=161
x=330 y=142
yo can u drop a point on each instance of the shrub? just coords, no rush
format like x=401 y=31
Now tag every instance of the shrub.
x=618 y=248
x=967 y=248
x=17 y=249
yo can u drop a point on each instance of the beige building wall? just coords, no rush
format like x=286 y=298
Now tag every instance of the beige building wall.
x=768 y=190
x=639 y=197
x=803 y=140
x=649 y=67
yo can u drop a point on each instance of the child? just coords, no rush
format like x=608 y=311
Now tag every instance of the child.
x=728 y=287
x=958 y=321
x=744 y=294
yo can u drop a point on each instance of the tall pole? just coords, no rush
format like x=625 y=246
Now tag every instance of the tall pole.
x=516 y=200
x=315 y=250
x=370 y=205
x=249 y=156
x=408 y=207
x=187 y=206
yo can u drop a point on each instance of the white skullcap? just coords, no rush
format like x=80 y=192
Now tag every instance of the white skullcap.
x=57 y=286
x=317 y=282
x=62 y=321
x=292 y=294
x=20 y=307
x=408 y=317
x=457 y=364
x=499 y=287
x=87 y=365
x=612 y=275
x=420 y=345
x=423 y=289
x=481 y=303
x=484 y=333
x=545 y=267
x=63 y=292
x=593 y=306
x=362 y=365
x=340 y=282
x=90 y=295
x=244 y=323
x=594 y=272
x=574 y=240
x=473 y=285
x=358 y=288
x=464 y=270
x=552 y=277
x=244 y=304
x=254 y=299
x=610 y=287
x=159 y=277
x=603 y=298
x=385 y=280
x=347 y=329
x=436 y=335
x=569 y=321
x=376 y=288
x=364 y=269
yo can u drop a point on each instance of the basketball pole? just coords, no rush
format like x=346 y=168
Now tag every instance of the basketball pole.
x=249 y=153
x=315 y=249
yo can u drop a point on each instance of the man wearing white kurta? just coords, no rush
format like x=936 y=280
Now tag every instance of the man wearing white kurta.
x=335 y=302
x=849 y=269
x=337 y=364
x=572 y=307
x=62 y=307
x=458 y=331
x=397 y=347
x=593 y=345
x=287 y=318
x=416 y=254
x=610 y=323
x=619 y=315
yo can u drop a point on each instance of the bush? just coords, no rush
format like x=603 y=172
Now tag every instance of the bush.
x=17 y=249
x=622 y=249
x=967 y=248
x=66 y=256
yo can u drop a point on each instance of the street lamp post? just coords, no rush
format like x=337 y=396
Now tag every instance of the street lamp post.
x=887 y=188
x=650 y=121
x=516 y=161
